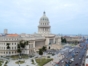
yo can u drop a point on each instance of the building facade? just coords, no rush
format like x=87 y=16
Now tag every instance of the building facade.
x=44 y=27
x=44 y=37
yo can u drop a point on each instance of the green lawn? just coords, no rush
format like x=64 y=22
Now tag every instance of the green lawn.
x=43 y=61
x=21 y=62
x=17 y=57
x=1 y=63
x=6 y=63
x=72 y=45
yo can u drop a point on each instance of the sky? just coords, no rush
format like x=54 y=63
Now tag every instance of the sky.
x=65 y=16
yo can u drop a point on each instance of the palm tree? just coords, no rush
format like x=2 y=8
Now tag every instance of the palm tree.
x=22 y=45
x=26 y=43
x=8 y=47
x=40 y=52
x=49 y=47
x=44 y=48
x=19 y=49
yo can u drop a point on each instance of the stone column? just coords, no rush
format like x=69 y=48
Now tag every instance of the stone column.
x=53 y=40
x=34 y=45
x=47 y=42
x=44 y=29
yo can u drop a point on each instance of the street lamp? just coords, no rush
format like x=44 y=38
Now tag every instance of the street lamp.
x=19 y=61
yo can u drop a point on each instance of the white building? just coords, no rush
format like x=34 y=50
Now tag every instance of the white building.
x=43 y=38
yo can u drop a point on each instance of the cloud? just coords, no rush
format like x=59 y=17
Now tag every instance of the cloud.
x=25 y=14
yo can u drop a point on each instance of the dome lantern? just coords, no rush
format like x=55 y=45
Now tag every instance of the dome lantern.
x=44 y=13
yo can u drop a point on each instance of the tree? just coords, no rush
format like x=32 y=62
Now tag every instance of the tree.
x=63 y=40
x=49 y=47
x=19 y=49
x=44 y=48
x=40 y=52
x=21 y=45
x=26 y=43
x=8 y=47
x=76 y=42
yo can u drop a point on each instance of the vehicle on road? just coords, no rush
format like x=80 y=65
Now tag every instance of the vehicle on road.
x=62 y=61
x=79 y=58
x=72 y=59
x=76 y=64
x=86 y=59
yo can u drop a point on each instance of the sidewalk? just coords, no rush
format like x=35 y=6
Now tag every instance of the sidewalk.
x=27 y=62
x=56 y=59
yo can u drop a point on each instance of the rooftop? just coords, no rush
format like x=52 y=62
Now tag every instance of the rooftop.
x=12 y=35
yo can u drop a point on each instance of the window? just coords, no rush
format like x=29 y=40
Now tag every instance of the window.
x=12 y=47
x=9 y=52
x=86 y=56
x=15 y=47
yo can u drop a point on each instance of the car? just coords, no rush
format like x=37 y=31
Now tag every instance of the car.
x=79 y=58
x=62 y=61
x=66 y=57
x=76 y=64
x=72 y=59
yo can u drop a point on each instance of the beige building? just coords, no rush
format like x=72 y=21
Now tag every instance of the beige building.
x=73 y=39
x=44 y=37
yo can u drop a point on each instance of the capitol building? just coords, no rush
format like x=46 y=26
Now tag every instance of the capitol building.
x=43 y=37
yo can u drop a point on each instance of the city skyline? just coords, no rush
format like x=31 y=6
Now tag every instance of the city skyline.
x=22 y=16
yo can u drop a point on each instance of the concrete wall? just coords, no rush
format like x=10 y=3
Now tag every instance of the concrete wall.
x=39 y=43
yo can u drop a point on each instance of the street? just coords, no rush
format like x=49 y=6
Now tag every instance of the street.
x=77 y=58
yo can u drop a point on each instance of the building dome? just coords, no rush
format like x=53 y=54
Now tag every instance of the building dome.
x=44 y=17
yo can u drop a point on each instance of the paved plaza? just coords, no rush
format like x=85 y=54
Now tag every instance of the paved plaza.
x=56 y=59
x=27 y=63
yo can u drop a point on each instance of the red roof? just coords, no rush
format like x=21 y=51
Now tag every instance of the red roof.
x=13 y=35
